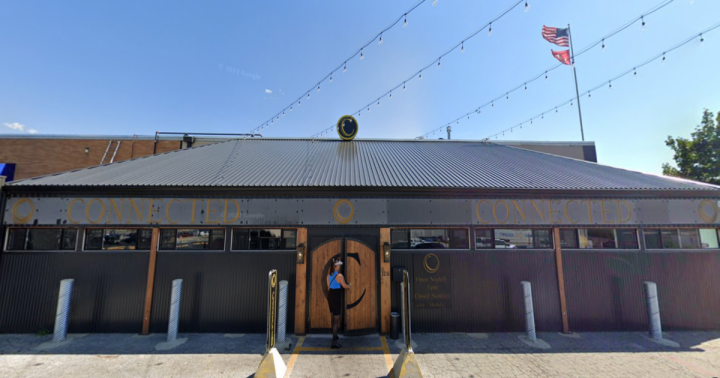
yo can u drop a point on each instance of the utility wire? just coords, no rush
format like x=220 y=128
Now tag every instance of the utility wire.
x=610 y=81
x=418 y=74
x=342 y=65
x=545 y=73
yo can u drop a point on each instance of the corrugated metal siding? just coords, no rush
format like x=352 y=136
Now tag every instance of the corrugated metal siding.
x=108 y=294
x=604 y=290
x=486 y=292
x=362 y=163
x=222 y=292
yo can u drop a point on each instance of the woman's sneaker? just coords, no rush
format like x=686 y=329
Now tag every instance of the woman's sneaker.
x=336 y=344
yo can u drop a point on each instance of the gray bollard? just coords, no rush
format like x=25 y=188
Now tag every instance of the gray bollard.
x=653 y=309
x=282 y=312
x=529 y=313
x=402 y=311
x=63 y=310
x=174 y=321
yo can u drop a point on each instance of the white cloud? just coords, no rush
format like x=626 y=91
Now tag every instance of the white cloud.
x=266 y=91
x=15 y=126
x=20 y=127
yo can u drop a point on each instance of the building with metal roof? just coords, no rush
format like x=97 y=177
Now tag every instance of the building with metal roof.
x=469 y=221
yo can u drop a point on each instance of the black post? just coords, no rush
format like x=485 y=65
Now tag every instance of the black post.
x=577 y=91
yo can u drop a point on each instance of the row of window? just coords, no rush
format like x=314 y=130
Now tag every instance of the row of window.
x=570 y=238
x=123 y=239
x=96 y=239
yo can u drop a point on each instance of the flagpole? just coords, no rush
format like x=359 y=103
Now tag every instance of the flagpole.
x=577 y=91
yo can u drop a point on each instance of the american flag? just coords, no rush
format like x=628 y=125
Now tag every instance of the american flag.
x=556 y=35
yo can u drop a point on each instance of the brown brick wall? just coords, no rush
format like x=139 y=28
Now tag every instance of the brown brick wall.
x=39 y=157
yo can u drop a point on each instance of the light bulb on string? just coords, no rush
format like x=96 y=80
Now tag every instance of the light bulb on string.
x=318 y=88
x=527 y=6
x=438 y=66
x=299 y=103
x=642 y=27
x=330 y=79
x=663 y=59
x=462 y=47
x=546 y=75
x=405 y=24
x=308 y=95
x=634 y=72
x=291 y=108
x=404 y=88
x=380 y=41
x=589 y=94
x=283 y=113
x=490 y=30
x=571 y=103
x=420 y=77
x=702 y=39
x=525 y=87
x=492 y=104
x=556 y=110
x=610 y=85
x=361 y=55
x=345 y=67
x=543 y=116
x=390 y=95
x=378 y=103
x=507 y=95
x=603 y=45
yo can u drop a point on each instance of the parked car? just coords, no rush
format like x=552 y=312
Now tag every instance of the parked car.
x=503 y=244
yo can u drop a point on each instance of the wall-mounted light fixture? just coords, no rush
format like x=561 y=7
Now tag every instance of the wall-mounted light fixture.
x=300 y=253
x=87 y=150
x=386 y=251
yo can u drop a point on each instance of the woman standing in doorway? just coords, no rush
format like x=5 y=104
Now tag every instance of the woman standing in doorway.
x=336 y=283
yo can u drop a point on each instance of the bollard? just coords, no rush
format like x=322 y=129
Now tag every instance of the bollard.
x=63 y=310
x=174 y=310
x=282 y=312
x=653 y=309
x=529 y=313
x=402 y=310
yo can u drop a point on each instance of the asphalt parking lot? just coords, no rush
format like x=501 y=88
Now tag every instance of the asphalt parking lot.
x=439 y=355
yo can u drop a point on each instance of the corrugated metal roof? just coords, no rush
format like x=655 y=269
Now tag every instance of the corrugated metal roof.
x=363 y=163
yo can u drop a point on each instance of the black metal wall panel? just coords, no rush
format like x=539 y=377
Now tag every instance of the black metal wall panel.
x=222 y=291
x=604 y=290
x=486 y=292
x=108 y=293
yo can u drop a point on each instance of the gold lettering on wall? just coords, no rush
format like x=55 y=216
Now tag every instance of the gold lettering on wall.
x=118 y=212
x=603 y=212
x=507 y=212
x=589 y=206
x=567 y=213
x=192 y=216
x=704 y=215
x=69 y=210
x=167 y=210
x=518 y=210
x=629 y=211
x=89 y=206
x=540 y=211
x=225 y=213
x=208 y=212
x=138 y=212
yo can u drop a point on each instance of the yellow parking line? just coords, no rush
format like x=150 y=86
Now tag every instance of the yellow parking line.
x=388 y=357
x=294 y=357
x=362 y=349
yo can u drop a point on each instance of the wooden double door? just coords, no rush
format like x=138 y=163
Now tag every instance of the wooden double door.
x=360 y=265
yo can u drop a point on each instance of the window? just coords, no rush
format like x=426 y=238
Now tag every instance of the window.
x=260 y=239
x=189 y=239
x=599 y=238
x=513 y=238
x=42 y=239
x=118 y=239
x=430 y=238
x=683 y=238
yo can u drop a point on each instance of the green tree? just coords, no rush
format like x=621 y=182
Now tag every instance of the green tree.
x=697 y=158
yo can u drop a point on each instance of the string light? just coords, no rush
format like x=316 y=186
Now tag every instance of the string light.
x=702 y=39
x=546 y=75
x=507 y=95
x=345 y=67
x=390 y=94
x=603 y=45
x=404 y=87
x=663 y=59
x=361 y=55
x=462 y=47
x=405 y=24
x=589 y=94
x=490 y=30
x=308 y=95
x=610 y=85
x=318 y=88
x=525 y=87
x=642 y=18
x=438 y=66
x=634 y=72
x=527 y=6
x=330 y=79
x=420 y=77
x=380 y=41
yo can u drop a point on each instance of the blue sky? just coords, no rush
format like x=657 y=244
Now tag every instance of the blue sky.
x=132 y=67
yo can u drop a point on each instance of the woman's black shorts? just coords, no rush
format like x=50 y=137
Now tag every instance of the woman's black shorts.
x=335 y=301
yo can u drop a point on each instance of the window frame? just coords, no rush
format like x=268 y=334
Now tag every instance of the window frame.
x=467 y=231
x=83 y=246
x=520 y=227
x=679 y=249
x=638 y=236
x=159 y=241
x=282 y=230
x=27 y=236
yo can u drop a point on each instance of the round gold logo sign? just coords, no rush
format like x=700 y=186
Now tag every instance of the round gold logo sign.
x=428 y=261
x=343 y=211
x=347 y=127
x=16 y=212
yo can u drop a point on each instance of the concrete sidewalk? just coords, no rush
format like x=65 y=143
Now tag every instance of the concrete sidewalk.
x=439 y=355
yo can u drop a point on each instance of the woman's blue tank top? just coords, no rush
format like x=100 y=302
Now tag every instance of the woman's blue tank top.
x=333 y=283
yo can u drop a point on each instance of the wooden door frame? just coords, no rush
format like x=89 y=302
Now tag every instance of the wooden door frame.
x=357 y=237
